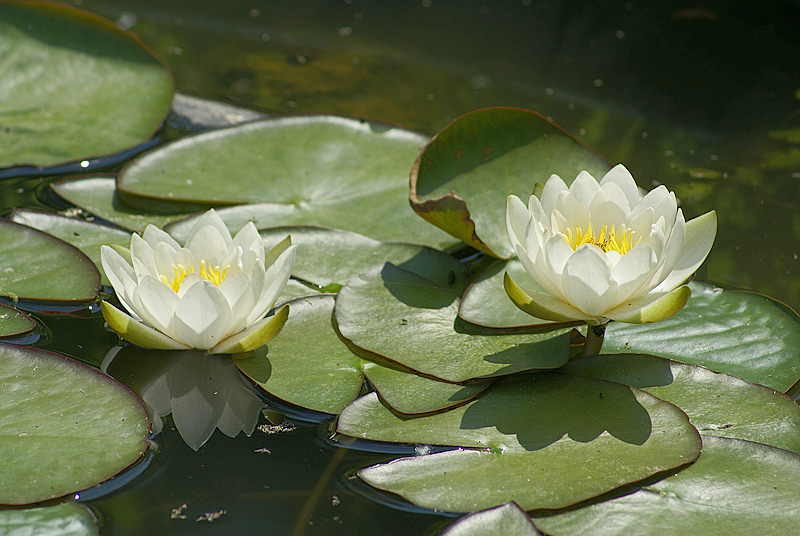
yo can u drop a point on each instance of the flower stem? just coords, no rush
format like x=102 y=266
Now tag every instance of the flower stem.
x=594 y=340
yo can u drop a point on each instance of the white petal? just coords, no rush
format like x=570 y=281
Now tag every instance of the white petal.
x=159 y=302
x=620 y=176
x=153 y=235
x=209 y=244
x=210 y=218
x=242 y=293
x=121 y=276
x=641 y=223
x=142 y=257
x=634 y=270
x=164 y=260
x=587 y=282
x=584 y=188
x=249 y=240
x=538 y=271
x=550 y=193
x=276 y=277
x=662 y=201
x=517 y=218
x=557 y=251
x=700 y=234
x=672 y=252
x=605 y=211
x=202 y=316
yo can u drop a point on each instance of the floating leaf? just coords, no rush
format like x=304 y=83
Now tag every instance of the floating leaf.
x=332 y=256
x=98 y=195
x=84 y=235
x=553 y=442
x=508 y=520
x=716 y=403
x=735 y=487
x=35 y=265
x=66 y=519
x=312 y=170
x=411 y=393
x=307 y=364
x=739 y=333
x=63 y=426
x=80 y=87
x=463 y=176
x=408 y=319
x=14 y=322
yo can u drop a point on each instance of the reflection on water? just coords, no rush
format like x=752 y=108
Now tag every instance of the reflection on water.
x=704 y=100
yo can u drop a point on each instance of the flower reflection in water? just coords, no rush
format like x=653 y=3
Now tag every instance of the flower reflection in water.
x=201 y=391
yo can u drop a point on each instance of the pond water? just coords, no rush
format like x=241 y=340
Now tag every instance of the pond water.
x=704 y=99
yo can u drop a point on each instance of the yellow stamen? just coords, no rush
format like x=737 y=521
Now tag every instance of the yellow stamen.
x=607 y=240
x=216 y=275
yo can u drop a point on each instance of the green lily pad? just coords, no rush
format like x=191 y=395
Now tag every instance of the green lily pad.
x=486 y=303
x=463 y=176
x=66 y=519
x=408 y=319
x=413 y=394
x=98 y=195
x=63 y=426
x=716 y=403
x=508 y=520
x=312 y=170
x=36 y=265
x=553 y=441
x=307 y=364
x=14 y=322
x=75 y=86
x=735 y=487
x=332 y=256
x=84 y=235
x=738 y=333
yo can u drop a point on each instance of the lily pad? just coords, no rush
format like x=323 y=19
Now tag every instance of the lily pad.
x=508 y=520
x=739 y=333
x=84 y=235
x=735 y=487
x=463 y=176
x=412 y=394
x=14 y=322
x=65 y=519
x=98 y=195
x=408 y=319
x=716 y=403
x=312 y=170
x=553 y=442
x=75 y=86
x=331 y=256
x=63 y=426
x=36 y=265
x=307 y=364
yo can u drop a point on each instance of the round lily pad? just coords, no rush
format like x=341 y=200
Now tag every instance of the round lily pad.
x=98 y=195
x=739 y=333
x=64 y=426
x=552 y=441
x=409 y=319
x=463 y=176
x=312 y=170
x=508 y=520
x=75 y=86
x=84 y=235
x=717 y=404
x=36 y=265
x=307 y=364
x=14 y=322
x=65 y=519
x=735 y=487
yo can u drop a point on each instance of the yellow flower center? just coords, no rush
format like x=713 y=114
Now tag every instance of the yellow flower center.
x=606 y=240
x=216 y=274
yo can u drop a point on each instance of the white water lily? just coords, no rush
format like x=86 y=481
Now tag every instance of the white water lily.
x=213 y=294
x=602 y=251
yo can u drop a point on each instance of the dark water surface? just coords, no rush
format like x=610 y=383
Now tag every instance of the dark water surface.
x=703 y=97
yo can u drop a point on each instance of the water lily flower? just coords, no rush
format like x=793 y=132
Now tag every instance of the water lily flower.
x=213 y=294
x=602 y=251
